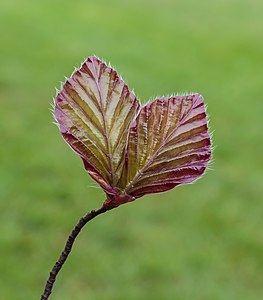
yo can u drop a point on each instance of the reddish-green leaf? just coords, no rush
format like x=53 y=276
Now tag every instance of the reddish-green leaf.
x=94 y=110
x=168 y=145
x=128 y=149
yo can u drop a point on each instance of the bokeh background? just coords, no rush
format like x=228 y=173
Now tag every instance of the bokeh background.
x=201 y=241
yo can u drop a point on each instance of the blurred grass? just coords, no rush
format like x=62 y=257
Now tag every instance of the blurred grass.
x=203 y=241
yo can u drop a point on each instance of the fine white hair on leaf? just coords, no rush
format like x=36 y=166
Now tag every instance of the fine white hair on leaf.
x=94 y=186
x=52 y=106
x=55 y=123
x=62 y=83
x=168 y=96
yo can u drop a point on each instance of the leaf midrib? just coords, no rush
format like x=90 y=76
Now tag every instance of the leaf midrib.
x=109 y=156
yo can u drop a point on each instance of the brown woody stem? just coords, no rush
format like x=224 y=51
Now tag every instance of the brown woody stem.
x=65 y=253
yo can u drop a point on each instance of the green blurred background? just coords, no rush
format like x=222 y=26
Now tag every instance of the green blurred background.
x=201 y=241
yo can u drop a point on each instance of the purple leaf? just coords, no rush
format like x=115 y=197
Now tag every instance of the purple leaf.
x=94 y=110
x=128 y=149
x=168 y=145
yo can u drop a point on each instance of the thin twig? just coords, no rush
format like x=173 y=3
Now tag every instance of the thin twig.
x=63 y=257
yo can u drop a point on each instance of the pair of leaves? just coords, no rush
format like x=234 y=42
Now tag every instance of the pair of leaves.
x=129 y=149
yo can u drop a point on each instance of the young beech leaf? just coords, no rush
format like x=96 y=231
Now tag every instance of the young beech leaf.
x=129 y=149
x=95 y=110
x=168 y=145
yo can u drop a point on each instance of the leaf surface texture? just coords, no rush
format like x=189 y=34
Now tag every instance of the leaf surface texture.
x=168 y=145
x=129 y=149
x=94 y=110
